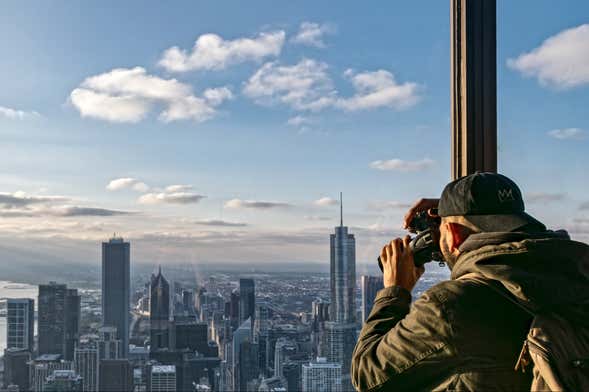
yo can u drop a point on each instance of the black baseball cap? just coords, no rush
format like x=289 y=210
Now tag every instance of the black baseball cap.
x=490 y=201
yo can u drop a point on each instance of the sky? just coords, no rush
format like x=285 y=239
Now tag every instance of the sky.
x=211 y=132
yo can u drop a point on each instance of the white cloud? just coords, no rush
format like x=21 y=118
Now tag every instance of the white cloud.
x=379 y=89
x=307 y=86
x=561 y=61
x=21 y=199
x=128 y=94
x=568 y=133
x=311 y=34
x=403 y=166
x=303 y=86
x=178 y=188
x=219 y=223
x=15 y=114
x=127 y=183
x=298 y=120
x=317 y=218
x=211 y=52
x=254 y=204
x=326 y=201
x=170 y=198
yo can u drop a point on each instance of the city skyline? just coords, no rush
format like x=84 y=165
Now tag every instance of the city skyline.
x=222 y=157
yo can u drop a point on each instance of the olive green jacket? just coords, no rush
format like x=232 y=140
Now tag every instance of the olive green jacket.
x=462 y=334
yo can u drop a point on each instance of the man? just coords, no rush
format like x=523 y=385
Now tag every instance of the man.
x=462 y=334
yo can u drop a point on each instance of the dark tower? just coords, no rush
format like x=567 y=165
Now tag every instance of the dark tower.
x=116 y=281
x=247 y=299
x=159 y=312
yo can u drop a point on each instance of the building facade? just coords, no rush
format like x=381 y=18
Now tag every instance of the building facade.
x=247 y=299
x=159 y=312
x=86 y=364
x=163 y=378
x=20 y=320
x=321 y=376
x=58 y=320
x=116 y=260
x=370 y=285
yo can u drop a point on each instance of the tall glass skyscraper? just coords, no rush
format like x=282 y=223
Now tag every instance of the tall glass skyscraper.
x=58 y=320
x=343 y=274
x=116 y=281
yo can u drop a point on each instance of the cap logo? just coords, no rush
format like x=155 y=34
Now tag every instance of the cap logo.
x=505 y=195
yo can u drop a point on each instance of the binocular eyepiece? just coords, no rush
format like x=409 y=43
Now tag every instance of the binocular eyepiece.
x=425 y=245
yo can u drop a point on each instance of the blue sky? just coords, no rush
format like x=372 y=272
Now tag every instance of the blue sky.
x=236 y=150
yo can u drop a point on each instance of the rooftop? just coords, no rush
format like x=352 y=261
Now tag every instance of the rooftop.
x=163 y=369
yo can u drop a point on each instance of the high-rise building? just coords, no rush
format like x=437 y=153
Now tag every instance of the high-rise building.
x=63 y=381
x=20 y=320
x=370 y=286
x=282 y=350
x=240 y=336
x=58 y=319
x=16 y=369
x=343 y=273
x=72 y=322
x=109 y=346
x=192 y=336
x=43 y=366
x=116 y=284
x=51 y=318
x=233 y=309
x=163 y=378
x=86 y=364
x=159 y=312
x=247 y=299
x=340 y=343
x=115 y=375
x=321 y=375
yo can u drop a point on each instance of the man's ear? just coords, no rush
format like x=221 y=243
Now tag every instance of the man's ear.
x=458 y=235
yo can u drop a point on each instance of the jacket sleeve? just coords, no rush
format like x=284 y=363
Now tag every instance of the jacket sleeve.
x=403 y=348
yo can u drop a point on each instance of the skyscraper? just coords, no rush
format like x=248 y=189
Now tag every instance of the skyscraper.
x=240 y=336
x=58 y=319
x=321 y=375
x=20 y=319
x=115 y=288
x=51 y=320
x=109 y=347
x=159 y=312
x=247 y=299
x=370 y=286
x=163 y=378
x=343 y=273
x=86 y=361
x=72 y=322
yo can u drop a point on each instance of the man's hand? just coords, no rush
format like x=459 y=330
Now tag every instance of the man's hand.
x=418 y=206
x=397 y=264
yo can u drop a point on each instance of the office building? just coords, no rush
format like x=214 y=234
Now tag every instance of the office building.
x=240 y=336
x=159 y=312
x=343 y=274
x=283 y=349
x=321 y=376
x=63 y=381
x=16 y=369
x=58 y=320
x=247 y=299
x=370 y=285
x=43 y=366
x=163 y=378
x=86 y=364
x=109 y=346
x=115 y=375
x=20 y=320
x=116 y=282
x=72 y=323
x=340 y=343
x=192 y=336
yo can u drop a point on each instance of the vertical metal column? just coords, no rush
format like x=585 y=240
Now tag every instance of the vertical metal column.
x=473 y=86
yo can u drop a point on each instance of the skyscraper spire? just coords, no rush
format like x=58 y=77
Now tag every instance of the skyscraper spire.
x=341 y=210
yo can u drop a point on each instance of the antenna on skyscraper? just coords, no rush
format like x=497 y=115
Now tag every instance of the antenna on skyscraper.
x=341 y=210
